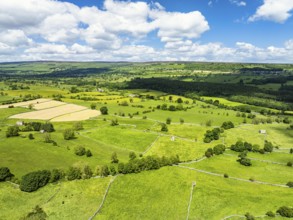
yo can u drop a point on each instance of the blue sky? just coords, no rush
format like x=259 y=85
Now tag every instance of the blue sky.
x=115 y=30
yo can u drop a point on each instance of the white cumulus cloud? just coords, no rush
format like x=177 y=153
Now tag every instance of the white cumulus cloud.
x=273 y=10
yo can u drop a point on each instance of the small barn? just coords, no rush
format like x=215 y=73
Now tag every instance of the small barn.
x=262 y=131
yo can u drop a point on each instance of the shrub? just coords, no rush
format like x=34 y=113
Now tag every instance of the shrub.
x=112 y=170
x=270 y=214
x=79 y=151
x=104 y=110
x=132 y=155
x=68 y=134
x=164 y=127
x=31 y=136
x=219 y=149
x=47 y=127
x=249 y=216
x=5 y=174
x=114 y=122
x=56 y=175
x=37 y=213
x=290 y=184
x=88 y=153
x=12 y=131
x=289 y=164
x=87 y=172
x=47 y=138
x=77 y=126
x=285 y=211
x=181 y=121
x=268 y=147
x=93 y=106
x=105 y=171
x=227 y=125
x=226 y=175
x=73 y=173
x=209 y=152
x=209 y=123
x=114 y=158
x=245 y=161
x=168 y=121
x=34 y=180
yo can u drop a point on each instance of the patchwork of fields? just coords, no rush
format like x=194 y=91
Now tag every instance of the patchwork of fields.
x=125 y=160
x=47 y=109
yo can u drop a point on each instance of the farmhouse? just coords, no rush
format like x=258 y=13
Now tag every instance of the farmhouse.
x=19 y=123
x=262 y=131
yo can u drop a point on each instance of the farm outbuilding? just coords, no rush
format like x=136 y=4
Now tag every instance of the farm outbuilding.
x=262 y=131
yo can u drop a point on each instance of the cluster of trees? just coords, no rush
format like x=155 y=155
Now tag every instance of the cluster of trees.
x=227 y=125
x=37 y=179
x=241 y=146
x=34 y=180
x=137 y=165
x=172 y=108
x=243 y=160
x=12 y=131
x=181 y=87
x=285 y=211
x=5 y=174
x=80 y=151
x=217 y=150
x=68 y=134
x=211 y=135
x=38 y=126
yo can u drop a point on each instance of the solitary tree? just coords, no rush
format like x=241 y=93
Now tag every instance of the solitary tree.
x=104 y=110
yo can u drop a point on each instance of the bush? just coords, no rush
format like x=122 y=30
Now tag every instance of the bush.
x=93 y=106
x=37 y=214
x=104 y=110
x=12 y=131
x=132 y=155
x=285 y=211
x=5 y=174
x=270 y=214
x=87 y=172
x=289 y=164
x=226 y=175
x=56 y=175
x=77 y=126
x=68 y=134
x=112 y=170
x=79 y=151
x=164 y=127
x=34 y=180
x=88 y=153
x=114 y=122
x=31 y=136
x=105 y=171
x=219 y=149
x=168 y=121
x=227 y=125
x=114 y=158
x=268 y=147
x=47 y=138
x=290 y=184
x=245 y=161
x=47 y=127
x=209 y=152
x=249 y=216
x=73 y=173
